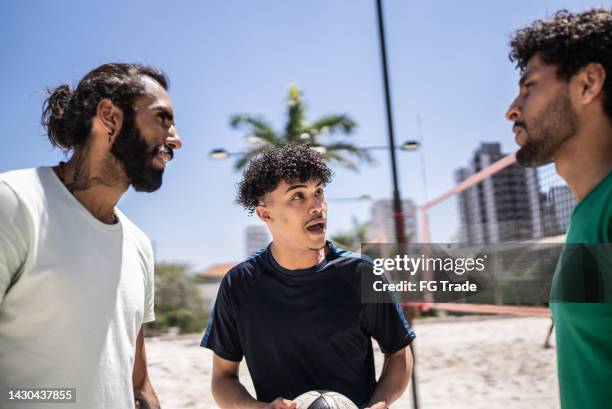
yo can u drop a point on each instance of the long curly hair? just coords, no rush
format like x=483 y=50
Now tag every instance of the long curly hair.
x=569 y=41
x=67 y=114
x=288 y=163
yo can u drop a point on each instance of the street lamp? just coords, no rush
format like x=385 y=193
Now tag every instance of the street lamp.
x=219 y=154
x=410 y=146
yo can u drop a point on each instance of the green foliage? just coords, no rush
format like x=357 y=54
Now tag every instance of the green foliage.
x=178 y=302
x=351 y=239
x=298 y=131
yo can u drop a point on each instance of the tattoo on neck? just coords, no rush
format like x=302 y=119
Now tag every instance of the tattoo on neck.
x=81 y=179
x=84 y=184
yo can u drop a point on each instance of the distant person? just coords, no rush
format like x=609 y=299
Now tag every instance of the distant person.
x=563 y=114
x=76 y=276
x=293 y=309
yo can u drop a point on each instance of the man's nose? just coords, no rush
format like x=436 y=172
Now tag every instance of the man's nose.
x=174 y=140
x=514 y=111
x=317 y=205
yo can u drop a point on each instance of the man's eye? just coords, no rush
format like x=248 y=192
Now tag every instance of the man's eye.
x=319 y=193
x=529 y=85
x=298 y=196
x=164 y=117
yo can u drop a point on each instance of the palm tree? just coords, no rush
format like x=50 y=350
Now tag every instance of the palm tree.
x=263 y=137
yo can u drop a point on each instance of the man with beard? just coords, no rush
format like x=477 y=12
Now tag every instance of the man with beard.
x=294 y=309
x=76 y=276
x=563 y=114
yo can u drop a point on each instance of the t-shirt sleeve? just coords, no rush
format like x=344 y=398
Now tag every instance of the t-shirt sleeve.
x=149 y=296
x=386 y=322
x=14 y=239
x=221 y=333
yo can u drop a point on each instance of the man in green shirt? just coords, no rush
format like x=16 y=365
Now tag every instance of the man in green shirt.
x=563 y=114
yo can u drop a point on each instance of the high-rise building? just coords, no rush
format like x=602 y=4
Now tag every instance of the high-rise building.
x=558 y=205
x=502 y=208
x=256 y=238
x=382 y=224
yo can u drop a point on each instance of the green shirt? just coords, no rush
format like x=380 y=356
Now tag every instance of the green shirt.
x=584 y=330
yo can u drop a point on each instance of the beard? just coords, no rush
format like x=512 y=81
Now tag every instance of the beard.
x=548 y=131
x=135 y=157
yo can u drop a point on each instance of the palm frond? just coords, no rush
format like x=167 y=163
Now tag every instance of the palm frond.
x=242 y=161
x=295 y=116
x=334 y=156
x=256 y=125
x=256 y=122
x=361 y=153
x=335 y=123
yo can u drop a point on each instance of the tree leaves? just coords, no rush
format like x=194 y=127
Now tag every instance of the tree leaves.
x=298 y=131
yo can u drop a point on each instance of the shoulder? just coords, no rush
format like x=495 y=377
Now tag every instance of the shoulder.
x=247 y=271
x=139 y=236
x=140 y=241
x=9 y=200
x=349 y=259
x=22 y=175
x=26 y=183
x=22 y=191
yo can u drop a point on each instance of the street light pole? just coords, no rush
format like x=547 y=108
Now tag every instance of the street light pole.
x=398 y=214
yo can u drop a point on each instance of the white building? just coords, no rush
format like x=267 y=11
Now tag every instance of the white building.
x=256 y=237
x=382 y=224
x=504 y=207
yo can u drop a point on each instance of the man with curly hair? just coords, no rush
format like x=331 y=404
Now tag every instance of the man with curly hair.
x=293 y=310
x=563 y=114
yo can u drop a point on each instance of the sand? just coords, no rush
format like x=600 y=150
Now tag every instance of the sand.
x=475 y=362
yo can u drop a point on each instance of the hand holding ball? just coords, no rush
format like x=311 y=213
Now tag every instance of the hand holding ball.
x=323 y=400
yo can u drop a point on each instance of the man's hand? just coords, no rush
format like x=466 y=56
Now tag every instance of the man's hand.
x=229 y=393
x=142 y=404
x=280 y=403
x=378 y=405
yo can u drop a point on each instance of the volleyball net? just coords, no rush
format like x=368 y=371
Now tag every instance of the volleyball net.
x=498 y=202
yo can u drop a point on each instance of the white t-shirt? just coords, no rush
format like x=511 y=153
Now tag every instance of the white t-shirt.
x=83 y=290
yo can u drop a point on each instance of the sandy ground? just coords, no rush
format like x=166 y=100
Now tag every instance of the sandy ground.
x=475 y=363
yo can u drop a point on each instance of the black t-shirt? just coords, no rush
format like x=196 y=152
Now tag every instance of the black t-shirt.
x=303 y=330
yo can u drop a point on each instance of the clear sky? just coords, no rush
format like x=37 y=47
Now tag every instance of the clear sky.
x=448 y=64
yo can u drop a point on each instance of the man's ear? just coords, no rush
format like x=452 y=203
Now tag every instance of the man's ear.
x=591 y=80
x=263 y=213
x=110 y=118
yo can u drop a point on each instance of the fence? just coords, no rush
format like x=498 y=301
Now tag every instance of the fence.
x=497 y=202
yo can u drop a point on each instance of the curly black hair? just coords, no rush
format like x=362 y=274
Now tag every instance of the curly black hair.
x=291 y=162
x=569 y=41
x=67 y=113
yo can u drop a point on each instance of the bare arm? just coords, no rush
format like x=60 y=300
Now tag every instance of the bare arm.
x=393 y=379
x=144 y=395
x=229 y=393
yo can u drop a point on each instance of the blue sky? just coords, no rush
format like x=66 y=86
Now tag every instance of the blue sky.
x=448 y=64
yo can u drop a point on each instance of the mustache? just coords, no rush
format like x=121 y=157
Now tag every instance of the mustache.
x=320 y=218
x=164 y=149
x=519 y=124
